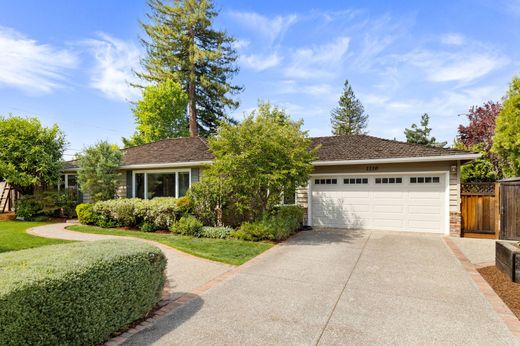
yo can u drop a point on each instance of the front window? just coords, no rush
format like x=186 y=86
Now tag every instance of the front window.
x=68 y=181
x=160 y=185
x=72 y=182
x=148 y=185
x=139 y=185
x=184 y=183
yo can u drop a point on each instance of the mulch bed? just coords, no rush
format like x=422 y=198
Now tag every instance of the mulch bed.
x=7 y=216
x=507 y=290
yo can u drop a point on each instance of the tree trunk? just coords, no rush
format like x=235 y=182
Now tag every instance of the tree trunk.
x=192 y=106
x=192 y=109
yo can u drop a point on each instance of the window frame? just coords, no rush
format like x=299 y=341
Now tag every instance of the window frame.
x=388 y=180
x=159 y=171
x=66 y=181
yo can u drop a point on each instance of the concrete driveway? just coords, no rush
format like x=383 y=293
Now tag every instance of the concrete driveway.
x=337 y=287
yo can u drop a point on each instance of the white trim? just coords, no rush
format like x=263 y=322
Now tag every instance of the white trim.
x=166 y=165
x=447 y=204
x=153 y=171
x=309 y=203
x=398 y=160
x=360 y=174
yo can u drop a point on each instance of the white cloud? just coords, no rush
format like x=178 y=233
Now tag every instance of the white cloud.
x=240 y=44
x=293 y=87
x=260 y=62
x=271 y=28
x=453 y=39
x=458 y=66
x=31 y=66
x=115 y=61
x=318 y=61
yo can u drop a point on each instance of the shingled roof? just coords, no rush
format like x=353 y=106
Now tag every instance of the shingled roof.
x=175 y=150
x=363 y=147
x=332 y=148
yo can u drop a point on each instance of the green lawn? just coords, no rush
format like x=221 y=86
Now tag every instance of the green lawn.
x=13 y=236
x=221 y=250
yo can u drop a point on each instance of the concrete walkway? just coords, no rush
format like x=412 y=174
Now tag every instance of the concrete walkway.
x=185 y=272
x=339 y=287
x=478 y=251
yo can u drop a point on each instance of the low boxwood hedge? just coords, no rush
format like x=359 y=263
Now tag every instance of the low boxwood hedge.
x=77 y=294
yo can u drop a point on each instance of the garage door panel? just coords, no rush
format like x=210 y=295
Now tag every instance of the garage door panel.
x=425 y=195
x=403 y=207
x=419 y=210
x=387 y=216
x=387 y=224
x=390 y=208
x=388 y=194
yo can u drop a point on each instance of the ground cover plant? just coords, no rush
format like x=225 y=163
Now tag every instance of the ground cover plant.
x=79 y=293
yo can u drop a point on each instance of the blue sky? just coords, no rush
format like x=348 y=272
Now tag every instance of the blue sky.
x=69 y=61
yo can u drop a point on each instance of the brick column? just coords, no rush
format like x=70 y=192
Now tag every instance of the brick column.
x=455 y=224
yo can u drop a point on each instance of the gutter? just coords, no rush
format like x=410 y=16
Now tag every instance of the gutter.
x=399 y=160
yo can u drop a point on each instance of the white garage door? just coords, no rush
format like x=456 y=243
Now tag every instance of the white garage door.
x=381 y=202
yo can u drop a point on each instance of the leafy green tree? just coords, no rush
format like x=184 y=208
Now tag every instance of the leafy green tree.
x=478 y=170
x=507 y=134
x=477 y=136
x=421 y=134
x=182 y=45
x=160 y=114
x=98 y=171
x=257 y=159
x=30 y=154
x=349 y=118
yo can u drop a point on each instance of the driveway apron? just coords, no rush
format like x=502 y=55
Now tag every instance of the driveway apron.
x=340 y=287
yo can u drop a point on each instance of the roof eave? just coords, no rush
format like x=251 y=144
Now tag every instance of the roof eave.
x=469 y=156
x=167 y=165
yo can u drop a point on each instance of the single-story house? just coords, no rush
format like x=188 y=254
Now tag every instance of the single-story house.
x=358 y=181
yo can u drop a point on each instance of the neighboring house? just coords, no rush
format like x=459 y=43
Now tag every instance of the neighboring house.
x=358 y=181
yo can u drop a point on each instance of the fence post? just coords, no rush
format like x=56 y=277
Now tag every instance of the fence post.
x=497 y=210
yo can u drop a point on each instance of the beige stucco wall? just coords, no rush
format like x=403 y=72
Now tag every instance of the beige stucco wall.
x=445 y=166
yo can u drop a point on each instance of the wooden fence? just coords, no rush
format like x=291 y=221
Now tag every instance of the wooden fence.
x=480 y=210
x=510 y=209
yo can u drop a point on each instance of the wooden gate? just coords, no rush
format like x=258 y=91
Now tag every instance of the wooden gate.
x=510 y=209
x=480 y=210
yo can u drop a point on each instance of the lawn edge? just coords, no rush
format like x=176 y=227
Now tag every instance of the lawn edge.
x=181 y=251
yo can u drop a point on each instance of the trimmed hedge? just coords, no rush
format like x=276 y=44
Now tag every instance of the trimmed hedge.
x=149 y=215
x=77 y=294
x=277 y=225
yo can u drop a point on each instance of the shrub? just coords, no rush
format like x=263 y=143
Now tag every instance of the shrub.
x=77 y=294
x=216 y=232
x=188 y=225
x=147 y=227
x=28 y=207
x=278 y=225
x=184 y=205
x=252 y=231
x=121 y=212
x=86 y=214
x=47 y=204
x=161 y=211
x=154 y=214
